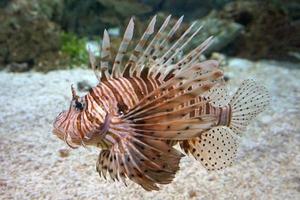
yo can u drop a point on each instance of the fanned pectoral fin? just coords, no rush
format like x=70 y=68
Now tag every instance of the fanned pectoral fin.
x=146 y=162
x=165 y=112
x=215 y=149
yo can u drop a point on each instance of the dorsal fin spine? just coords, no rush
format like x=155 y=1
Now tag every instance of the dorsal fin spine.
x=156 y=38
x=172 y=31
x=93 y=63
x=122 y=49
x=190 y=57
x=140 y=46
x=183 y=45
x=159 y=47
x=105 y=56
x=205 y=46
x=164 y=57
x=176 y=48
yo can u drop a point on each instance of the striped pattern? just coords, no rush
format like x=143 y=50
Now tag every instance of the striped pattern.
x=117 y=96
x=142 y=107
x=114 y=95
x=223 y=114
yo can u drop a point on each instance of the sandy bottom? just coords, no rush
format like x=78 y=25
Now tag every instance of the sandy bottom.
x=32 y=167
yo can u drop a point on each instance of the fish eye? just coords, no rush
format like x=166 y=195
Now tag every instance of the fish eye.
x=79 y=105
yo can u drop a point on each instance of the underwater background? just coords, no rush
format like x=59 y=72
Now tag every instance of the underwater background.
x=43 y=50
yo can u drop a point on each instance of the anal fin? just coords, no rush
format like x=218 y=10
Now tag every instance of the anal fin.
x=215 y=149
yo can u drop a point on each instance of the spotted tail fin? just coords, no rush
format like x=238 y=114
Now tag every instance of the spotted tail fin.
x=217 y=147
x=249 y=100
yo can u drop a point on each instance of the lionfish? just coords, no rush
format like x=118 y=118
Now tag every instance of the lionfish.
x=157 y=99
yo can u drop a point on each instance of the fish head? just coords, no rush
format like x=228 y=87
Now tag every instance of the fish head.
x=67 y=125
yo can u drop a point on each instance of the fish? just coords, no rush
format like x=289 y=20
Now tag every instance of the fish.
x=155 y=104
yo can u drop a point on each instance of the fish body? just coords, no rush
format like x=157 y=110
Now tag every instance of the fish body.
x=143 y=107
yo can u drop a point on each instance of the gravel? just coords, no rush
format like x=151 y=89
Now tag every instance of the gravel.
x=36 y=165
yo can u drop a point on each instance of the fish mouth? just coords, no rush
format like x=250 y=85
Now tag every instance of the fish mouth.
x=55 y=129
x=73 y=143
x=58 y=133
x=57 y=122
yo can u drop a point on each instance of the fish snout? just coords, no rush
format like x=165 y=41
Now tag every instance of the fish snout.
x=57 y=130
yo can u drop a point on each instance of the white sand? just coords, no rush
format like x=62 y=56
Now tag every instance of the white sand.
x=268 y=164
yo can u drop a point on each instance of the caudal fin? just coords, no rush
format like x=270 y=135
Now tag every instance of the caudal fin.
x=249 y=100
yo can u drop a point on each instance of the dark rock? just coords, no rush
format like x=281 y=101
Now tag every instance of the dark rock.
x=270 y=31
x=26 y=35
x=191 y=9
x=82 y=17
x=18 y=67
x=89 y=18
x=84 y=86
x=48 y=61
x=126 y=8
x=292 y=8
x=223 y=31
x=63 y=152
x=226 y=78
x=4 y=3
x=221 y=58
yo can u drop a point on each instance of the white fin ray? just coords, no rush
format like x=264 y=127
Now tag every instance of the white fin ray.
x=140 y=46
x=190 y=58
x=94 y=65
x=181 y=82
x=180 y=46
x=166 y=114
x=174 y=129
x=105 y=56
x=149 y=57
x=116 y=71
x=199 y=50
x=169 y=56
x=170 y=101
x=165 y=39
x=151 y=46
